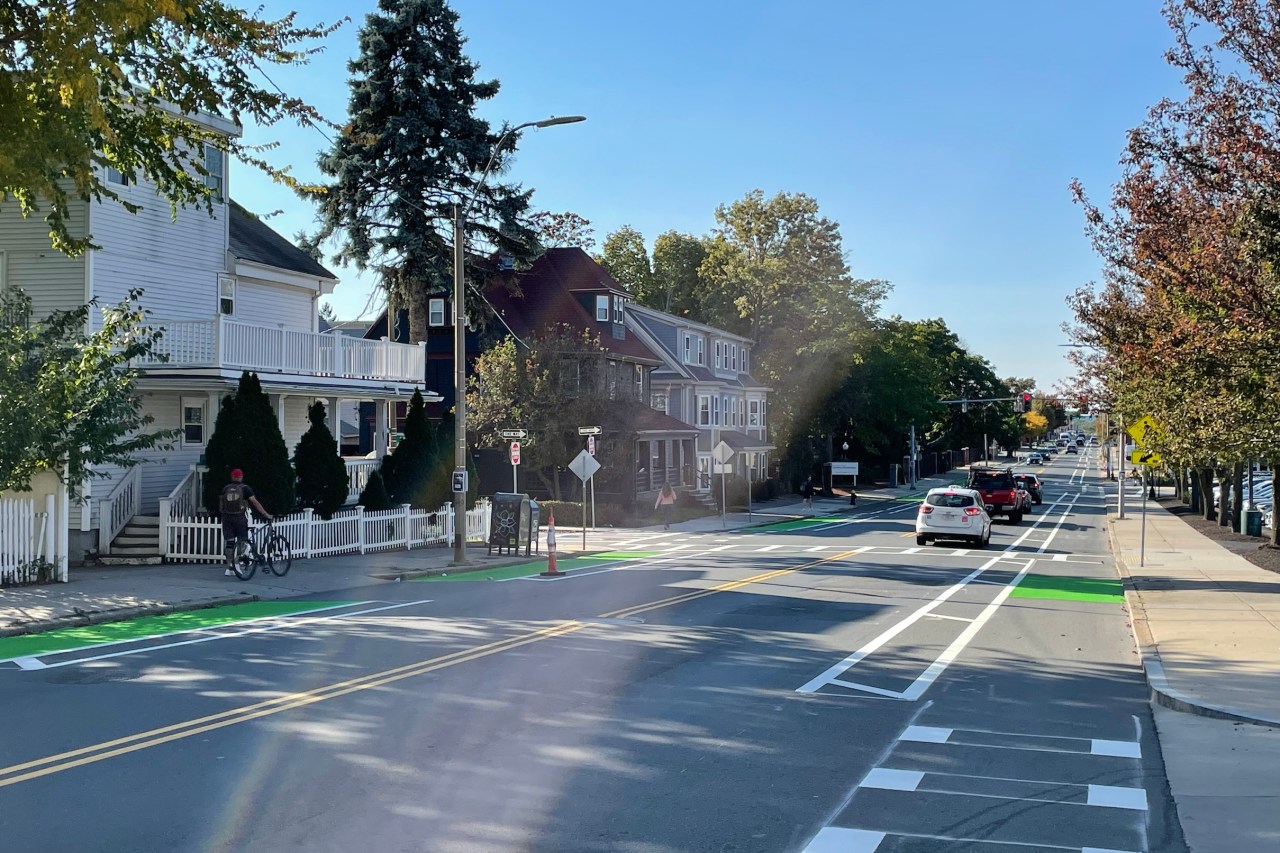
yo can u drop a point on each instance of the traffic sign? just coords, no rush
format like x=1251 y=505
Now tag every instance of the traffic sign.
x=595 y=430
x=1145 y=431
x=515 y=453
x=1144 y=457
x=722 y=452
x=591 y=445
x=514 y=433
x=584 y=465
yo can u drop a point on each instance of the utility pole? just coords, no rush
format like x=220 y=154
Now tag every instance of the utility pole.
x=911 y=470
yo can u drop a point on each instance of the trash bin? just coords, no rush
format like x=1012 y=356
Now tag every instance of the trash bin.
x=1253 y=522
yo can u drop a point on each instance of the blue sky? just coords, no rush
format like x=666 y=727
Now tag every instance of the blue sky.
x=942 y=136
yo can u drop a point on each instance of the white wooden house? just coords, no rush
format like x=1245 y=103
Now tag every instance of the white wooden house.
x=231 y=295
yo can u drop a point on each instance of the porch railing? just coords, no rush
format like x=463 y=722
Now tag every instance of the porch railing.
x=118 y=509
x=223 y=342
x=358 y=471
x=651 y=480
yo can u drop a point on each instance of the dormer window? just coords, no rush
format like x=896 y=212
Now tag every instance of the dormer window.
x=215 y=179
x=602 y=309
x=717 y=355
x=733 y=364
x=617 y=309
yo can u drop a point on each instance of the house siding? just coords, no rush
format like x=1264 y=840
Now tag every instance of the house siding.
x=52 y=280
x=275 y=305
x=176 y=262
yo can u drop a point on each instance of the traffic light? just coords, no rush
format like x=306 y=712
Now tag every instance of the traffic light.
x=1026 y=402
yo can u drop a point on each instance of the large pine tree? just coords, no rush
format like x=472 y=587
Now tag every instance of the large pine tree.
x=246 y=435
x=322 y=475
x=414 y=147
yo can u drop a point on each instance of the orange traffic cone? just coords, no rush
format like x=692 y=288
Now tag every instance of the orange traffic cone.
x=552 y=571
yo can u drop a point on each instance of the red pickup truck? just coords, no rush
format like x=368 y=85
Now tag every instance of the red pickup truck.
x=999 y=492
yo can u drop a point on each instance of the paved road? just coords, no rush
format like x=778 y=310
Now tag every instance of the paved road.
x=817 y=685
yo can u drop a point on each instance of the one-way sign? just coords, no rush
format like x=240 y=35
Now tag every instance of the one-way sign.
x=515 y=433
x=593 y=430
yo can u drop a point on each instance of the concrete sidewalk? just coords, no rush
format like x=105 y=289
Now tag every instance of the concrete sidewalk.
x=106 y=594
x=1207 y=623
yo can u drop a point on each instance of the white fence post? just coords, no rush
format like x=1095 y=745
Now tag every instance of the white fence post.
x=408 y=533
x=49 y=528
x=166 y=516
x=360 y=528
x=308 y=515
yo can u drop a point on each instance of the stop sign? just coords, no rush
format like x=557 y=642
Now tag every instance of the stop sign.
x=515 y=453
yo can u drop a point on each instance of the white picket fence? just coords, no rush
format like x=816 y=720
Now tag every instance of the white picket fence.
x=198 y=539
x=25 y=536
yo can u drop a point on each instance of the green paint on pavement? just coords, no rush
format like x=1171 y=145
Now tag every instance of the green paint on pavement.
x=66 y=639
x=1070 y=588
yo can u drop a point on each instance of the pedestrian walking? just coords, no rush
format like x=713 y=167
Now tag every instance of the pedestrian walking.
x=806 y=492
x=666 y=500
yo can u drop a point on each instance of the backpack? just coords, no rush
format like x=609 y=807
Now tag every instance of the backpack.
x=232 y=501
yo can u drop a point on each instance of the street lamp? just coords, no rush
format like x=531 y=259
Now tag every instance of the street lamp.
x=460 y=340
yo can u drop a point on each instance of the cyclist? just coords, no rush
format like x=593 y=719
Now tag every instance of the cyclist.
x=233 y=505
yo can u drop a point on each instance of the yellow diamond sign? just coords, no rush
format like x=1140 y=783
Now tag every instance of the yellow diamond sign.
x=1145 y=431
x=1144 y=457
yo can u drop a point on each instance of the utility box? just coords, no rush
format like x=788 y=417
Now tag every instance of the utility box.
x=509 y=523
x=1253 y=522
x=893 y=475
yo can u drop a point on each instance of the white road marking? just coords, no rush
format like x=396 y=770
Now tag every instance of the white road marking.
x=29 y=663
x=865 y=688
x=935 y=669
x=1118 y=748
x=837 y=839
x=1057 y=527
x=281 y=622
x=817 y=548
x=912 y=551
x=720 y=548
x=768 y=548
x=952 y=618
x=889 y=779
x=926 y=734
x=1113 y=797
x=1102 y=850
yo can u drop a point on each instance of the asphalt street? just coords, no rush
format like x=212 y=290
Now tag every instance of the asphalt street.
x=808 y=685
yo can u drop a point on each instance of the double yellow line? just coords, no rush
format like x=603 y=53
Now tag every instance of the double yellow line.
x=93 y=753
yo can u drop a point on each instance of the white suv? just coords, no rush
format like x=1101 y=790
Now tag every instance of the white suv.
x=953 y=513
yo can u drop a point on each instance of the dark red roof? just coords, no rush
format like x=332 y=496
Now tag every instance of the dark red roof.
x=543 y=296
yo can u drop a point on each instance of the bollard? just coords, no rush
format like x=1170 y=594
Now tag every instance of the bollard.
x=552 y=571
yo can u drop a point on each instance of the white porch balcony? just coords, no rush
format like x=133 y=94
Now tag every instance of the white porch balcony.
x=221 y=342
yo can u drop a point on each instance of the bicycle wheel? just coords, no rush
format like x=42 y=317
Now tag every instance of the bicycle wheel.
x=279 y=555
x=245 y=565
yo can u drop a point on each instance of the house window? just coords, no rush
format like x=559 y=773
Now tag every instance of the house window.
x=715 y=411
x=704 y=410
x=717 y=355
x=658 y=400
x=569 y=378
x=611 y=376
x=602 y=309
x=227 y=295
x=688 y=349
x=617 y=309
x=192 y=421
x=745 y=368
x=115 y=176
x=763 y=413
x=734 y=362
x=216 y=177
x=435 y=311
x=642 y=384
x=701 y=358
x=753 y=413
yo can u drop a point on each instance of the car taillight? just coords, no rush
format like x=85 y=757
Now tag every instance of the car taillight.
x=971 y=510
x=925 y=509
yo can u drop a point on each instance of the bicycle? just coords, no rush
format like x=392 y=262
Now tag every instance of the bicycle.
x=264 y=546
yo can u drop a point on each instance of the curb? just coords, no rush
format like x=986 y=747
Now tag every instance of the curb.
x=1162 y=692
x=121 y=614
x=414 y=574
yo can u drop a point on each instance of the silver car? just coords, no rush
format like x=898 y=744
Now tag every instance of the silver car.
x=953 y=513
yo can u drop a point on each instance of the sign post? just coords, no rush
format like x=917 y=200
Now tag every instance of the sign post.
x=584 y=465
x=723 y=453
x=515 y=465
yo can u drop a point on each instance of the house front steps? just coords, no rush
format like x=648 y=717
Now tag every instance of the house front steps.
x=137 y=544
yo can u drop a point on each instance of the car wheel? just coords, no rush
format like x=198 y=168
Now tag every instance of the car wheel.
x=979 y=542
x=1015 y=517
x=922 y=540
x=1039 y=501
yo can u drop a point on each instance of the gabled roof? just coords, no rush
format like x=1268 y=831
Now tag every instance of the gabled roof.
x=661 y=327
x=543 y=296
x=254 y=240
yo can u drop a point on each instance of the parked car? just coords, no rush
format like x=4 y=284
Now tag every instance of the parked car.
x=953 y=513
x=1031 y=483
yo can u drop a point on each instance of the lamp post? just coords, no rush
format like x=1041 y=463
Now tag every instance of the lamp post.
x=460 y=340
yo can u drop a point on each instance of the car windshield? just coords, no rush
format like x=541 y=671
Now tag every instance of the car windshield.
x=950 y=499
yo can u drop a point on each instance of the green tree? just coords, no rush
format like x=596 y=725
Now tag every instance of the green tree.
x=407 y=470
x=246 y=435
x=677 y=264
x=111 y=83
x=67 y=398
x=557 y=230
x=322 y=475
x=411 y=151
x=374 y=497
x=625 y=257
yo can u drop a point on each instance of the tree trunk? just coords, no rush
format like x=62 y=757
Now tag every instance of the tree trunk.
x=1206 y=493
x=418 y=306
x=1275 y=483
x=1224 y=499
x=1237 y=496
x=1195 y=491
